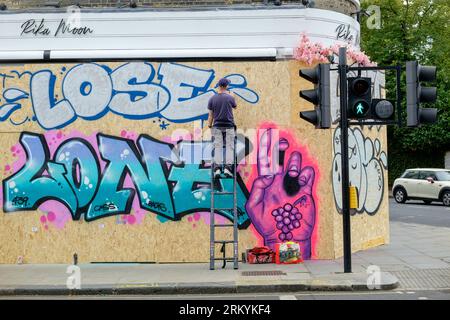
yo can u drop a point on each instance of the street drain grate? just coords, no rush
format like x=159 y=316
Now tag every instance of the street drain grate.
x=262 y=273
x=423 y=279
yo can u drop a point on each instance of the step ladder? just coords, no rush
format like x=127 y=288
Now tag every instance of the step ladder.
x=215 y=183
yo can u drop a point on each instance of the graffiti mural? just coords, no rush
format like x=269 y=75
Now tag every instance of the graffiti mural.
x=136 y=90
x=367 y=163
x=281 y=204
x=100 y=175
x=74 y=176
x=145 y=169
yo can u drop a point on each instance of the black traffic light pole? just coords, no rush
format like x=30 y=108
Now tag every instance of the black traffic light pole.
x=377 y=112
x=344 y=123
x=344 y=161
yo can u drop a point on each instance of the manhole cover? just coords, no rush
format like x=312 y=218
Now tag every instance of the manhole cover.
x=423 y=279
x=262 y=273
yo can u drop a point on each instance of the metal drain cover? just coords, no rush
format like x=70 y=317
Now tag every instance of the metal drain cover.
x=423 y=279
x=262 y=273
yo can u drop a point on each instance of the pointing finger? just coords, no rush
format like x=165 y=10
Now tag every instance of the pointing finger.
x=263 y=153
x=306 y=179
x=294 y=164
x=279 y=151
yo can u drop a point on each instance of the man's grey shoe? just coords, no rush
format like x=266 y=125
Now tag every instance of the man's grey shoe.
x=228 y=173
x=217 y=173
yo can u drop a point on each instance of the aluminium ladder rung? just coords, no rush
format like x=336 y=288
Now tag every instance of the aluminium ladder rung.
x=215 y=192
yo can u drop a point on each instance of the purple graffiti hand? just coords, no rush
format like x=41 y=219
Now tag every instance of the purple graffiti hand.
x=281 y=205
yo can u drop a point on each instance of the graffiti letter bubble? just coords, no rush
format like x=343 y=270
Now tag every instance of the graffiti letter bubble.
x=74 y=280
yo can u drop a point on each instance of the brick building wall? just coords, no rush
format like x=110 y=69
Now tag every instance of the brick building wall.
x=343 y=6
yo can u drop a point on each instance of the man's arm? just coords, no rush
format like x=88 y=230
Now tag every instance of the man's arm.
x=233 y=103
x=210 y=114
x=210 y=118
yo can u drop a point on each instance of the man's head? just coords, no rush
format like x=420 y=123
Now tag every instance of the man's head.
x=223 y=83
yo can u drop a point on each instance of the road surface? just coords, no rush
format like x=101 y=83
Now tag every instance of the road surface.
x=435 y=214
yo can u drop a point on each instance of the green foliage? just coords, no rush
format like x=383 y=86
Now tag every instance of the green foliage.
x=414 y=30
x=408 y=160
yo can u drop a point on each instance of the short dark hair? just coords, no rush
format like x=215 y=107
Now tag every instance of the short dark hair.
x=224 y=82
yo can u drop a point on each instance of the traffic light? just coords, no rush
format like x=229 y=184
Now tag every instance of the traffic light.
x=361 y=106
x=416 y=94
x=319 y=96
x=359 y=97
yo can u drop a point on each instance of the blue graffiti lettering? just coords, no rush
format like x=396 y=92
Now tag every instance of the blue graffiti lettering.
x=176 y=92
x=163 y=183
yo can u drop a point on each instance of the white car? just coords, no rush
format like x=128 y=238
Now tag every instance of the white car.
x=423 y=184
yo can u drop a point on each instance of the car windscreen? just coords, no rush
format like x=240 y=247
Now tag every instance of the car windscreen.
x=443 y=175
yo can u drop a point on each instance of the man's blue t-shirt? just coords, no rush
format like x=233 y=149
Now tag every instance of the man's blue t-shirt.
x=221 y=105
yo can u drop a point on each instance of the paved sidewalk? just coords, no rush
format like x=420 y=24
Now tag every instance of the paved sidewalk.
x=413 y=248
x=419 y=256
x=181 y=279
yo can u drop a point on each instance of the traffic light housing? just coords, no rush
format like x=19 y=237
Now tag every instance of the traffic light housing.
x=319 y=96
x=416 y=94
x=359 y=97
x=361 y=106
x=383 y=109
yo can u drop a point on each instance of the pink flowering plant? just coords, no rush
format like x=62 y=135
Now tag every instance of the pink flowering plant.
x=314 y=52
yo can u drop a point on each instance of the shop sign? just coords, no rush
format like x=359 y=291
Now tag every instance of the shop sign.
x=43 y=28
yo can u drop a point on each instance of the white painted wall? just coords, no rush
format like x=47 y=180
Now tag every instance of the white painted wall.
x=122 y=31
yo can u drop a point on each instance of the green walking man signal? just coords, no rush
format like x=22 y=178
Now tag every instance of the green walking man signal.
x=359 y=108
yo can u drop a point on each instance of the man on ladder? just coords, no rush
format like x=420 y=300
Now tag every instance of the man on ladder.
x=221 y=121
x=223 y=131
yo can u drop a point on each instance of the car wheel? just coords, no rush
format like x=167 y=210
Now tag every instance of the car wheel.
x=446 y=198
x=427 y=201
x=400 y=195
